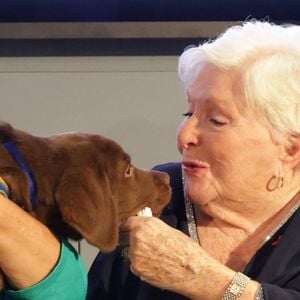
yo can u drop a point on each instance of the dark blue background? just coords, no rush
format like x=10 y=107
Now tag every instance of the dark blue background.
x=146 y=10
x=279 y=11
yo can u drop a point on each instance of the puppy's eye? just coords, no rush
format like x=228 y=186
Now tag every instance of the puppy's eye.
x=129 y=171
x=187 y=115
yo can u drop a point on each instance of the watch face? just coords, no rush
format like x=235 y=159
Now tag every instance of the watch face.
x=235 y=289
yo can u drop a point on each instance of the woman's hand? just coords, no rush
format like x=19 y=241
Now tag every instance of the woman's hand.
x=163 y=256
x=169 y=259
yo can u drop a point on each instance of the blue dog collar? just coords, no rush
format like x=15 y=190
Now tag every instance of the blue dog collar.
x=15 y=153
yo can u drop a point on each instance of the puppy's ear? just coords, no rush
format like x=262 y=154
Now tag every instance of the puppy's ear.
x=86 y=203
x=7 y=132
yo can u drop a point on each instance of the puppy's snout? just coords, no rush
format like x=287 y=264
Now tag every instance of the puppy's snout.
x=166 y=179
x=162 y=177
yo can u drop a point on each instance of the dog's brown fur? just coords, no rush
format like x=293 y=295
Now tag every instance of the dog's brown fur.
x=86 y=184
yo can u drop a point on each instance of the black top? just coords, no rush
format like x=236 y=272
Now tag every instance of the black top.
x=276 y=265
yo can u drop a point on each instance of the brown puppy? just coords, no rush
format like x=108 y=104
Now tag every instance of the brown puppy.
x=78 y=184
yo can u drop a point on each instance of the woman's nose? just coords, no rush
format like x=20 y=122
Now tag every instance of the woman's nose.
x=187 y=134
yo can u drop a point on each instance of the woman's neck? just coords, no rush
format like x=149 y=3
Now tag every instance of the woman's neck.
x=232 y=239
x=248 y=215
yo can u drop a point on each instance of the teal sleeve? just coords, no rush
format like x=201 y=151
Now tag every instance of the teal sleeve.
x=68 y=280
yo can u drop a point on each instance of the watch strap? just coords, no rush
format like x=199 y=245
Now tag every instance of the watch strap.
x=236 y=287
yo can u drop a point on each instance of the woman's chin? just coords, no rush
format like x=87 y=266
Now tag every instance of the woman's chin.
x=198 y=196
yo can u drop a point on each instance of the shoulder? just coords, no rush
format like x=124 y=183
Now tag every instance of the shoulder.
x=168 y=167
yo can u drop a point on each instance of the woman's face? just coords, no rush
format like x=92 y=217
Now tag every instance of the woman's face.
x=227 y=153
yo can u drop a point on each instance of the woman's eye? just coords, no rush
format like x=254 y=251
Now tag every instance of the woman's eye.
x=217 y=122
x=187 y=115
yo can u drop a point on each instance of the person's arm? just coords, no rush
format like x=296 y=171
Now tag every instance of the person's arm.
x=28 y=249
x=36 y=263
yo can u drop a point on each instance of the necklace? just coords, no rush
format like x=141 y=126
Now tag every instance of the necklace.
x=190 y=216
x=192 y=228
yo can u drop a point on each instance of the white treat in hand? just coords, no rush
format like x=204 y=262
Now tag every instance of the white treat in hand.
x=146 y=212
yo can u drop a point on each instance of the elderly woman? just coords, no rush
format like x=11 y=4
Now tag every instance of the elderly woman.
x=240 y=145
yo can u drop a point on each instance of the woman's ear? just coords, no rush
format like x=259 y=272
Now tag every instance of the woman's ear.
x=291 y=157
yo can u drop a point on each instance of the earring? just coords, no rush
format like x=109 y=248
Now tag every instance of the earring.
x=186 y=146
x=275 y=182
x=279 y=182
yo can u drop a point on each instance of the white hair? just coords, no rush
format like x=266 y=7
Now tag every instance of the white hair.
x=267 y=58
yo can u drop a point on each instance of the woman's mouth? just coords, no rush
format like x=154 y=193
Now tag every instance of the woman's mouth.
x=194 y=166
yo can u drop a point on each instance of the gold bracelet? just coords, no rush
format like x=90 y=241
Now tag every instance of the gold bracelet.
x=236 y=287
